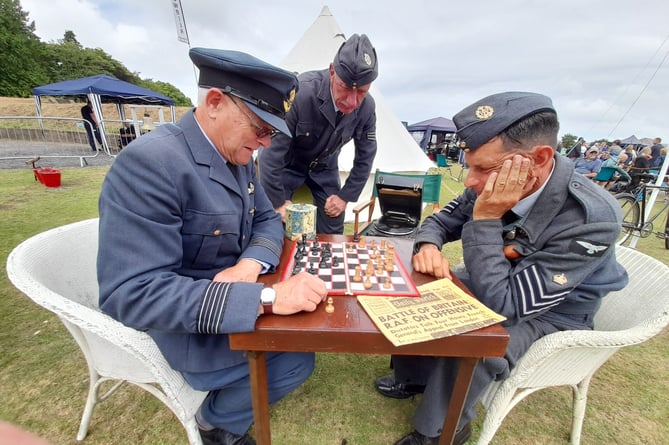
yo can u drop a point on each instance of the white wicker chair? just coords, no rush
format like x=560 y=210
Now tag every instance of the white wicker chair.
x=56 y=269
x=627 y=317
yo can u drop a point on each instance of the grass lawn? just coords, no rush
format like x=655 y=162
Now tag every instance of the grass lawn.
x=44 y=379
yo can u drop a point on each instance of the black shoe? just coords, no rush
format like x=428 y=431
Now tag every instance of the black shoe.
x=387 y=386
x=219 y=436
x=416 y=438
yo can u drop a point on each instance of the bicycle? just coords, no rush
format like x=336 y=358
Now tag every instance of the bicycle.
x=633 y=206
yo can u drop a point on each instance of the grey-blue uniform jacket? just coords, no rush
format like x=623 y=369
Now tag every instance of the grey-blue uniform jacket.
x=566 y=260
x=317 y=141
x=172 y=215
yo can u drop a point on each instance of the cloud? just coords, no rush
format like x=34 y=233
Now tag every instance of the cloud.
x=602 y=62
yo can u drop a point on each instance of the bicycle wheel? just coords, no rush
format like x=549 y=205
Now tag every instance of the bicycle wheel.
x=631 y=214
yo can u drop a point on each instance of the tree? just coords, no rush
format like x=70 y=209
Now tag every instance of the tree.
x=568 y=142
x=20 y=69
x=169 y=90
x=28 y=62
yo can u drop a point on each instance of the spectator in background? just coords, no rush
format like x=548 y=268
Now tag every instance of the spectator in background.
x=128 y=133
x=91 y=125
x=660 y=160
x=615 y=148
x=631 y=156
x=655 y=153
x=639 y=170
x=584 y=147
x=590 y=165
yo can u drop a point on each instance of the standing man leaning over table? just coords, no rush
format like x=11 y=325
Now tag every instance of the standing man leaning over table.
x=186 y=229
x=538 y=242
x=331 y=108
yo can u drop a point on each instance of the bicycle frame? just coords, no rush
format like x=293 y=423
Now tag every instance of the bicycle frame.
x=637 y=219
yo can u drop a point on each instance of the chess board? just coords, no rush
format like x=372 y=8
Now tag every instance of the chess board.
x=335 y=263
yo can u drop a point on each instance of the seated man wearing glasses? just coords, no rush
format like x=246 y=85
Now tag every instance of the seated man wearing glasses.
x=185 y=231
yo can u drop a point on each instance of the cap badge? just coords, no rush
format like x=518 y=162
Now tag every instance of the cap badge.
x=484 y=112
x=560 y=279
x=289 y=102
x=368 y=59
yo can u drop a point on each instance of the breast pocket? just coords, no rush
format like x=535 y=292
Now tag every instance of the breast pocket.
x=210 y=240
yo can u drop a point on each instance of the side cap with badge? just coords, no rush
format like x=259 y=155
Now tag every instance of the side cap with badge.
x=267 y=90
x=355 y=62
x=490 y=116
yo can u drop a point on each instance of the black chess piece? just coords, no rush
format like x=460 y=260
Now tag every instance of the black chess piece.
x=324 y=263
x=312 y=270
x=335 y=261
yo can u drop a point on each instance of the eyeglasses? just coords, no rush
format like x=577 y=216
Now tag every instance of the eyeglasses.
x=261 y=132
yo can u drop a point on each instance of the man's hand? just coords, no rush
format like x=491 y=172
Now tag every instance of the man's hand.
x=334 y=206
x=282 y=210
x=301 y=292
x=504 y=188
x=245 y=270
x=429 y=260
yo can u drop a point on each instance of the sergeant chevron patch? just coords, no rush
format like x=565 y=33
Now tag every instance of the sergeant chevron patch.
x=532 y=292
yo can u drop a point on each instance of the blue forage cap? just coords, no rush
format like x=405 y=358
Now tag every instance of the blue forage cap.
x=355 y=62
x=490 y=116
x=267 y=90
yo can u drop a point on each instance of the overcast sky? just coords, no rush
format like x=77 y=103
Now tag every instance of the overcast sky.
x=604 y=62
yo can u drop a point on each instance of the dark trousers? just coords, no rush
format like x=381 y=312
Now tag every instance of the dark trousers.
x=438 y=373
x=93 y=134
x=228 y=404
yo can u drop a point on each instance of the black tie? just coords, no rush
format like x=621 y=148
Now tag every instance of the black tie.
x=509 y=218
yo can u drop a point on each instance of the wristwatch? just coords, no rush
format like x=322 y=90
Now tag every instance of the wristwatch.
x=267 y=298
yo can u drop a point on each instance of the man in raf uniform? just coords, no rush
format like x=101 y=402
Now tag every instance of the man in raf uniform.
x=538 y=242
x=332 y=107
x=185 y=231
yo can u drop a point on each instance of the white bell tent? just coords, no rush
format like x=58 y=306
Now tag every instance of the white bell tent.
x=397 y=150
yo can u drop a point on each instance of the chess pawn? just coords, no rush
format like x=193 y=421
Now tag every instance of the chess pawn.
x=386 y=283
x=329 y=307
x=373 y=253
x=362 y=243
x=389 y=265
x=379 y=267
x=368 y=283
x=369 y=271
x=358 y=273
x=383 y=244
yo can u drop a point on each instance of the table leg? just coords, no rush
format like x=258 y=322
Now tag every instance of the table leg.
x=259 y=396
x=460 y=390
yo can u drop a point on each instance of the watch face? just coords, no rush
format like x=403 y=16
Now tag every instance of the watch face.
x=267 y=296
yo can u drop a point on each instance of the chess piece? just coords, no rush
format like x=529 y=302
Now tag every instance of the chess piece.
x=312 y=270
x=329 y=307
x=335 y=261
x=390 y=266
x=369 y=271
x=379 y=267
x=358 y=274
x=362 y=243
x=386 y=283
x=368 y=283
